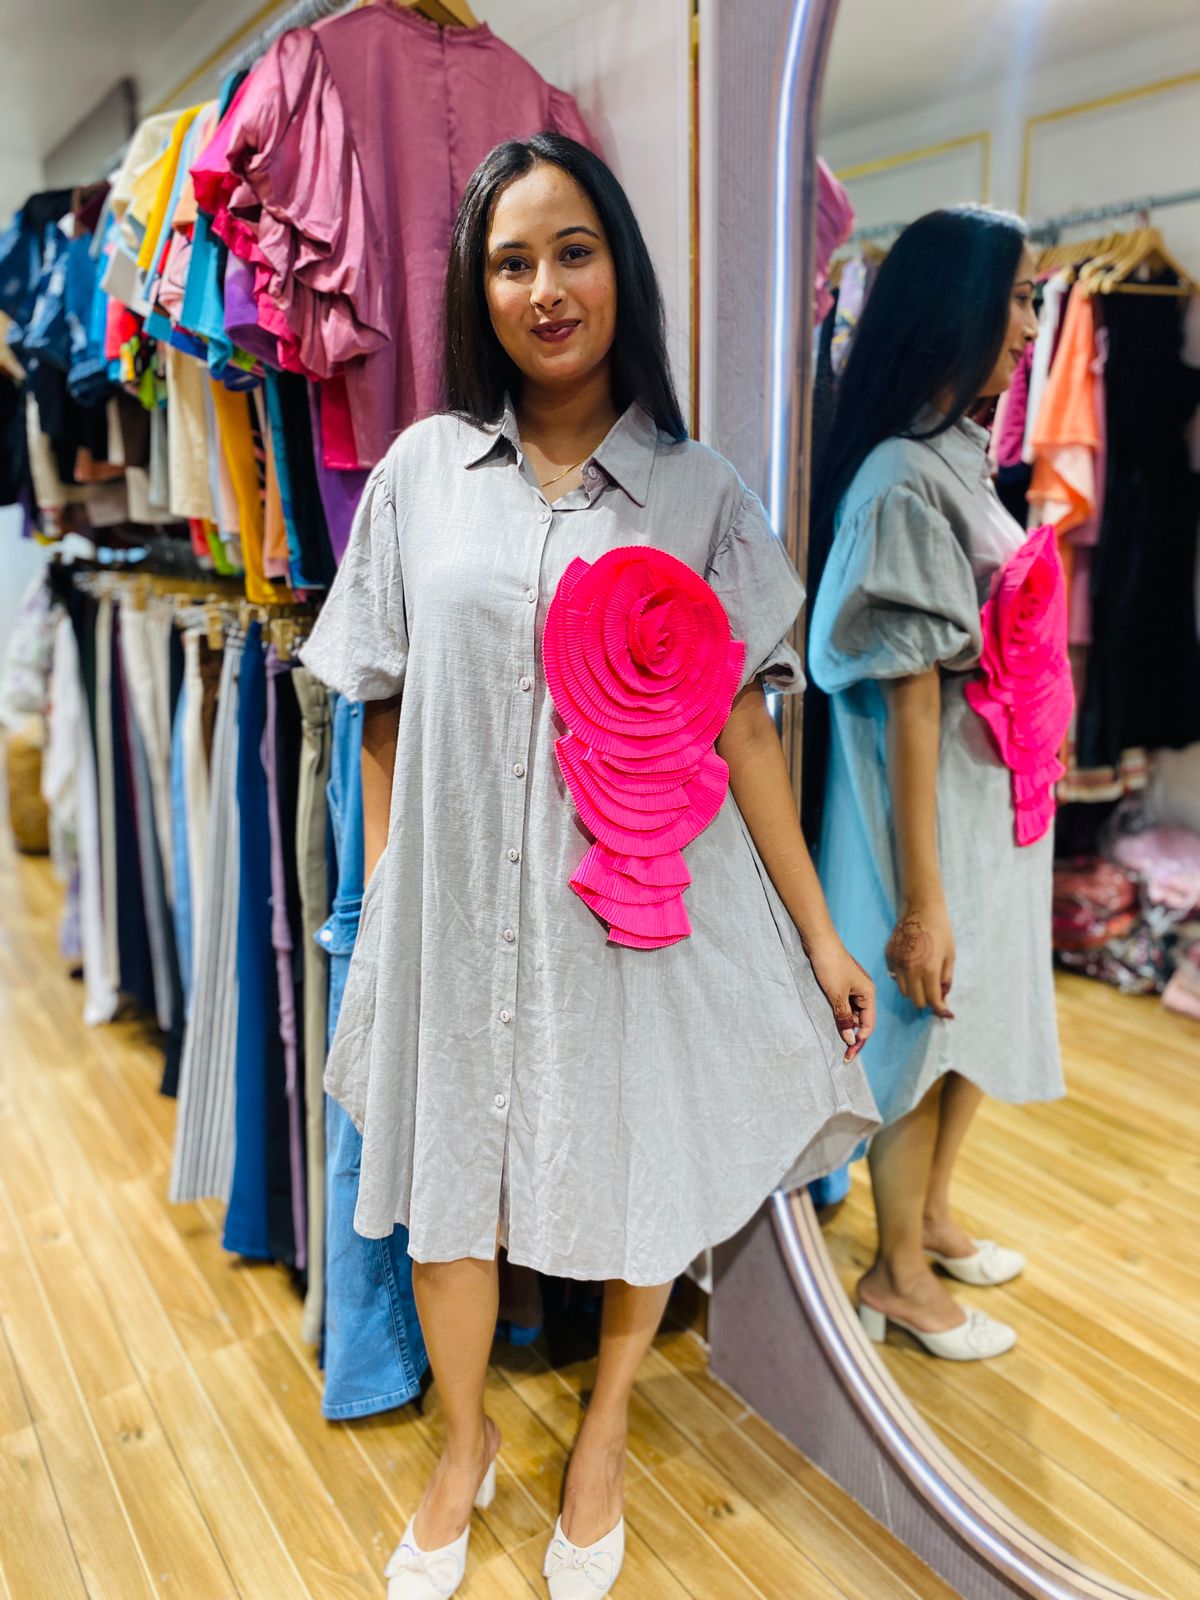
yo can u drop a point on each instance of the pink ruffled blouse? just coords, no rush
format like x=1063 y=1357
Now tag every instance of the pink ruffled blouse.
x=337 y=172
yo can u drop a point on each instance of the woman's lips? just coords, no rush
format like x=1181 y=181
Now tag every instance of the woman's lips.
x=555 y=332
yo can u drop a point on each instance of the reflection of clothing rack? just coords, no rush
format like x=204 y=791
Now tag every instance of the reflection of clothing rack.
x=1049 y=230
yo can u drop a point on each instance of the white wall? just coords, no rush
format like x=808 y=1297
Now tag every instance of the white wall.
x=1115 y=153
x=628 y=64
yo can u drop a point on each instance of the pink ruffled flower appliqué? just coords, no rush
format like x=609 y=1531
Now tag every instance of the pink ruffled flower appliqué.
x=1025 y=694
x=642 y=668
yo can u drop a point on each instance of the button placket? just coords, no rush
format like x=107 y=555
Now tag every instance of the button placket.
x=525 y=633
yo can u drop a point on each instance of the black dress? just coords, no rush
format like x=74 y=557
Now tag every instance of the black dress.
x=1143 y=677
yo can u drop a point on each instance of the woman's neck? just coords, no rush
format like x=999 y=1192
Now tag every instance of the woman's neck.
x=563 y=421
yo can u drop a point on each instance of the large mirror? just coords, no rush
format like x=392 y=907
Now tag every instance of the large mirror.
x=1041 y=1237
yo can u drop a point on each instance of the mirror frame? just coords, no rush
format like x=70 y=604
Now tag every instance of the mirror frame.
x=803 y=1360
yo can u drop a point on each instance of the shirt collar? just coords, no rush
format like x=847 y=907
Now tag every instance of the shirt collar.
x=963 y=447
x=626 y=455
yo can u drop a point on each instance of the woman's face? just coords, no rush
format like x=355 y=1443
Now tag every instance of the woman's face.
x=551 y=284
x=1022 y=328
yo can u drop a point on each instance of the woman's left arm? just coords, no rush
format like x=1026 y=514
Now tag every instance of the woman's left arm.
x=758 y=777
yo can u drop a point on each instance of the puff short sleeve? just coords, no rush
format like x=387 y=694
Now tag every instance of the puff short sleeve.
x=762 y=595
x=284 y=184
x=898 y=596
x=359 y=644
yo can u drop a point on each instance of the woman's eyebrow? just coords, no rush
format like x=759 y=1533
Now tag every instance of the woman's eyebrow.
x=520 y=244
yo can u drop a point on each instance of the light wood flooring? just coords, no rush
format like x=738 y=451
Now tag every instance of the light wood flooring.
x=1090 y=1428
x=160 y=1431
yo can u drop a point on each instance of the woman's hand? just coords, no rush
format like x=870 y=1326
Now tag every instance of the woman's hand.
x=850 y=993
x=920 y=955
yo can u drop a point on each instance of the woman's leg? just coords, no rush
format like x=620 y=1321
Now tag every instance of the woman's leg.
x=960 y=1101
x=594 y=1494
x=901 y=1282
x=456 y=1301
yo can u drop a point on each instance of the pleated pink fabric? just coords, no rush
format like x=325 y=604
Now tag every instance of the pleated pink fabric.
x=642 y=667
x=1025 y=694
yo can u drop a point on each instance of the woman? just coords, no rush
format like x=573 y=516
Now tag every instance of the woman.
x=601 y=1111
x=918 y=856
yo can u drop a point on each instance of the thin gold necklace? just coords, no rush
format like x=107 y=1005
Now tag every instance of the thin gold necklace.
x=559 y=476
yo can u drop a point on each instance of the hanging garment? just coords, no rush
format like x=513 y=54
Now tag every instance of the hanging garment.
x=312 y=872
x=341 y=168
x=919 y=536
x=281 y=757
x=1054 y=294
x=258 y=1222
x=202 y=1162
x=374 y=1350
x=1065 y=437
x=71 y=751
x=1143 y=573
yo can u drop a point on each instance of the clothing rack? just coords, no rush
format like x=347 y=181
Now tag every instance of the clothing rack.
x=301 y=15
x=1047 y=232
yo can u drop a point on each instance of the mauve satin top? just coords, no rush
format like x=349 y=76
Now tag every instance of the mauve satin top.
x=339 y=169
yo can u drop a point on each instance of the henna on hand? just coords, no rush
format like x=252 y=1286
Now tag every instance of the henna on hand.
x=911 y=945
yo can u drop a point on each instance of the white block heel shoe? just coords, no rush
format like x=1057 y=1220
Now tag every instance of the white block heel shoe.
x=416 y=1574
x=977 y=1339
x=574 y=1573
x=991 y=1264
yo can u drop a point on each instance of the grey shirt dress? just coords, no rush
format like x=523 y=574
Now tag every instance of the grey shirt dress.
x=614 y=1111
x=919 y=536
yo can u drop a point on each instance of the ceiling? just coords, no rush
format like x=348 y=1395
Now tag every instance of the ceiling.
x=889 y=57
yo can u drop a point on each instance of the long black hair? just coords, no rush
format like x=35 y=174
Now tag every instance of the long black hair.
x=933 y=327
x=478 y=370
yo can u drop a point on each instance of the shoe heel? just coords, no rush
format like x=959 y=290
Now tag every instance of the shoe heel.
x=487 y=1489
x=874 y=1323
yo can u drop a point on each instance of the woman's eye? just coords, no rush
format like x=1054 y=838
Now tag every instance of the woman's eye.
x=576 y=252
x=512 y=264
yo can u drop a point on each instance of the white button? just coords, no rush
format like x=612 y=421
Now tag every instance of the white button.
x=501 y=1102
x=506 y=1016
x=589 y=471
x=510 y=935
x=518 y=770
x=544 y=515
x=514 y=854
x=326 y=936
x=526 y=684
x=531 y=595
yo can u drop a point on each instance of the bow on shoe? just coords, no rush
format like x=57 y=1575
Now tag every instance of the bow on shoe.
x=441 y=1570
x=598 y=1567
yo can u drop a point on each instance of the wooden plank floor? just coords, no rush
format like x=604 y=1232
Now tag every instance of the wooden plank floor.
x=1090 y=1428
x=160 y=1430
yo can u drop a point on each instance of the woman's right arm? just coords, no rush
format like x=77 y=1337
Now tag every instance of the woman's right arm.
x=920 y=953
x=381 y=727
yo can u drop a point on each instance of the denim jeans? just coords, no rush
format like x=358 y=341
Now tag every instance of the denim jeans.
x=374 y=1351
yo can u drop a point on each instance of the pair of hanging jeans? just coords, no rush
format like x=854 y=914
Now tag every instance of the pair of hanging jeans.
x=259 y=1220
x=374 y=1351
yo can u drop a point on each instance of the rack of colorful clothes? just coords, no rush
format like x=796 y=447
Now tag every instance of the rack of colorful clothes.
x=205 y=797
x=226 y=337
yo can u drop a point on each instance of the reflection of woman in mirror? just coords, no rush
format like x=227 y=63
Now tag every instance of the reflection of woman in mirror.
x=918 y=853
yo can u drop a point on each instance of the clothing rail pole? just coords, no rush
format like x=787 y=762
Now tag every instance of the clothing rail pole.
x=793 y=273
x=1121 y=208
x=301 y=15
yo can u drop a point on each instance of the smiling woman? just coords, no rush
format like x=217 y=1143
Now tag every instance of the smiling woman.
x=519 y=1080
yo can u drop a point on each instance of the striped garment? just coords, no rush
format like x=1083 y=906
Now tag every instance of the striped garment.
x=204 y=1129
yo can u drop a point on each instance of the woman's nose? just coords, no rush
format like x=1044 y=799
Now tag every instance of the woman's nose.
x=546 y=291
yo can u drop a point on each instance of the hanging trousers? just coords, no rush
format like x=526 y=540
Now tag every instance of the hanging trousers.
x=204 y=1129
x=312 y=866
